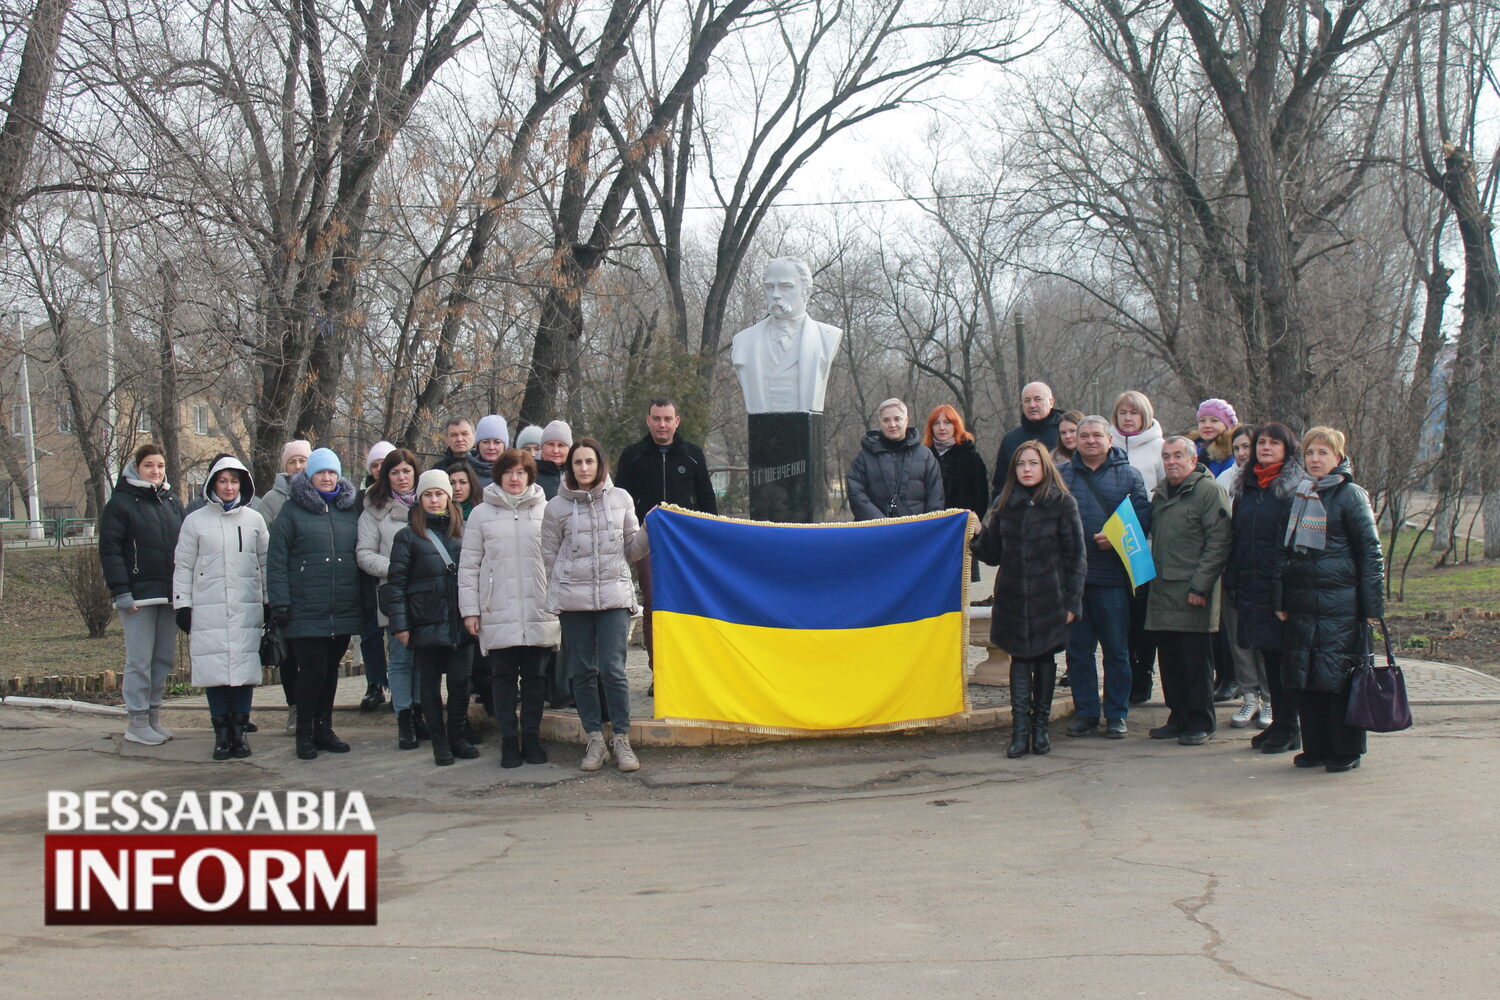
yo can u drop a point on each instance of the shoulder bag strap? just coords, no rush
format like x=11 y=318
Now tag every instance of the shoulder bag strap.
x=440 y=549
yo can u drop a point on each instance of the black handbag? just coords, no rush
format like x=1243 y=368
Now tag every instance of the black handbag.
x=1377 y=694
x=273 y=646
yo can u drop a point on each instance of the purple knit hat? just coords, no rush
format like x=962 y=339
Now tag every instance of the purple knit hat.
x=1218 y=408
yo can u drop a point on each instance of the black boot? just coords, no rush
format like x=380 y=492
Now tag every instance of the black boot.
x=238 y=723
x=442 y=753
x=373 y=699
x=223 y=744
x=324 y=738
x=1043 y=682
x=1020 y=709
x=458 y=717
x=531 y=749
x=469 y=733
x=510 y=752
x=406 y=736
x=248 y=727
x=306 y=748
x=419 y=723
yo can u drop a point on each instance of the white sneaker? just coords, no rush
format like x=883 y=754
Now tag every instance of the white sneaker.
x=1264 y=720
x=595 y=753
x=624 y=756
x=1246 y=712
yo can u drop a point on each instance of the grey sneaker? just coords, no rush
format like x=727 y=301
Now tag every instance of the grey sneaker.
x=1247 y=711
x=625 y=757
x=291 y=718
x=153 y=719
x=140 y=731
x=1264 y=719
x=595 y=753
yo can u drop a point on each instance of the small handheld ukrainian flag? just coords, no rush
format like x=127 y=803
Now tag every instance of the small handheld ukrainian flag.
x=1123 y=529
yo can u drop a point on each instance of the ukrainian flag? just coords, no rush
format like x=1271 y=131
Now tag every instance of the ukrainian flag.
x=796 y=628
x=1123 y=529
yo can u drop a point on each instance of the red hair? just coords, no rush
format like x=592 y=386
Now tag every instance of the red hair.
x=960 y=433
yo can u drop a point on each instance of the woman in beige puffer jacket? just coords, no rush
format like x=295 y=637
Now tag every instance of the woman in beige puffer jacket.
x=589 y=538
x=502 y=593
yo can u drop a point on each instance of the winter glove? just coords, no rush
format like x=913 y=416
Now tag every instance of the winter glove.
x=125 y=602
x=185 y=619
x=280 y=617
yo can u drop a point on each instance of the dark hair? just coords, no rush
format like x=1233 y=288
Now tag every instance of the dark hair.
x=380 y=494
x=455 y=421
x=1276 y=432
x=598 y=452
x=1050 y=487
x=509 y=459
x=663 y=401
x=417 y=519
x=145 y=451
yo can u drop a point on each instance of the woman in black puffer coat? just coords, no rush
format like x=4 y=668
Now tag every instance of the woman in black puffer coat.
x=966 y=479
x=1332 y=571
x=420 y=598
x=1035 y=536
x=1252 y=579
x=137 y=538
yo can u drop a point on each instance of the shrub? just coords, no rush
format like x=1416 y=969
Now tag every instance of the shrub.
x=86 y=583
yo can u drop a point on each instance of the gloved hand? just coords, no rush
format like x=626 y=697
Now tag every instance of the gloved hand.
x=125 y=602
x=280 y=617
x=185 y=619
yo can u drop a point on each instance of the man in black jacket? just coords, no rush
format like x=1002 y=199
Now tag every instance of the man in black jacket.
x=663 y=468
x=1039 y=420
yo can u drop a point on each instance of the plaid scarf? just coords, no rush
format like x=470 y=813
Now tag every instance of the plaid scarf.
x=1307 y=528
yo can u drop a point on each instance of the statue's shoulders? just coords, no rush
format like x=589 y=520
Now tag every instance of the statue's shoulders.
x=829 y=332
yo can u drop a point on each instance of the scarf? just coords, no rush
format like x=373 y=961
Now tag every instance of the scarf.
x=329 y=498
x=407 y=499
x=1265 y=475
x=228 y=505
x=512 y=500
x=1307 y=528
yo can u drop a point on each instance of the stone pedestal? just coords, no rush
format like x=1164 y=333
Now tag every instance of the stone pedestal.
x=787 y=483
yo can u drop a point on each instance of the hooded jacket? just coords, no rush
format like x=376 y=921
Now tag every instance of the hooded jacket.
x=1144 y=452
x=1190 y=541
x=677 y=476
x=502 y=574
x=904 y=470
x=221 y=574
x=1328 y=594
x=420 y=595
x=310 y=566
x=1041 y=553
x=1115 y=480
x=1043 y=430
x=378 y=527
x=137 y=537
x=1252 y=577
x=589 y=540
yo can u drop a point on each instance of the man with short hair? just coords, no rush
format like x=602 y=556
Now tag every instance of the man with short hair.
x=1039 y=419
x=661 y=468
x=1100 y=477
x=1190 y=542
x=458 y=436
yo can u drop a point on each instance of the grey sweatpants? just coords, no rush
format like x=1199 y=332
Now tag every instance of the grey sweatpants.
x=150 y=648
x=1249 y=665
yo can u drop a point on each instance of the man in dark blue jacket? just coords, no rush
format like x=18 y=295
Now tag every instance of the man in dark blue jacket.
x=1099 y=477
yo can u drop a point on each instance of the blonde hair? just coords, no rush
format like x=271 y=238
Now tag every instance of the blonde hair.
x=1330 y=436
x=1137 y=401
x=893 y=401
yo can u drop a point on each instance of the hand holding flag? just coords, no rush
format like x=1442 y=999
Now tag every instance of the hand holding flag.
x=1123 y=529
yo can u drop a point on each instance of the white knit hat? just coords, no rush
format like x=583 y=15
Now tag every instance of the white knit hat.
x=492 y=427
x=377 y=452
x=558 y=430
x=530 y=434
x=434 y=479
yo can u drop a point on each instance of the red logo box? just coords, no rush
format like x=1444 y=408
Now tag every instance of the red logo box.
x=223 y=879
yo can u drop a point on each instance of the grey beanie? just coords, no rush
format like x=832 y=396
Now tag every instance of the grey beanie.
x=558 y=430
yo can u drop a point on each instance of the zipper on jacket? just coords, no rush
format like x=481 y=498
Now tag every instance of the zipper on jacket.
x=135 y=548
x=241 y=532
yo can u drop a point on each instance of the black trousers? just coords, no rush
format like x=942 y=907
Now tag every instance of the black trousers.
x=432 y=664
x=519 y=670
x=1323 y=728
x=480 y=680
x=288 y=670
x=1187 y=679
x=1142 y=644
x=1283 y=702
x=317 y=676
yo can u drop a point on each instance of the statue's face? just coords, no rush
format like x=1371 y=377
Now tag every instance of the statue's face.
x=786 y=295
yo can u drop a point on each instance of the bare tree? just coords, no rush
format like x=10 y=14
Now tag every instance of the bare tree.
x=28 y=97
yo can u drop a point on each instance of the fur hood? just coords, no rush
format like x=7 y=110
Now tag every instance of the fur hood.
x=1285 y=485
x=305 y=495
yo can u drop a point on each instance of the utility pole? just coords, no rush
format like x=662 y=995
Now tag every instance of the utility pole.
x=28 y=432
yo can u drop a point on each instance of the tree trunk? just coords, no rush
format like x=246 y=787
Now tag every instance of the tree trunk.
x=165 y=415
x=28 y=99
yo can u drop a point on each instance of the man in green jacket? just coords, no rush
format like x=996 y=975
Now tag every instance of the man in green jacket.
x=1190 y=544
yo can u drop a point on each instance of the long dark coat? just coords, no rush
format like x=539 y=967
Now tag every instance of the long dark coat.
x=1328 y=594
x=310 y=567
x=1042 y=559
x=966 y=482
x=1252 y=578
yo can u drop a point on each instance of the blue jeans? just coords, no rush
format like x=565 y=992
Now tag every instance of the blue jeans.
x=405 y=689
x=593 y=643
x=1105 y=622
x=372 y=649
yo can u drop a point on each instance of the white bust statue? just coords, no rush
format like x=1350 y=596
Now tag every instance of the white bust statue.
x=783 y=361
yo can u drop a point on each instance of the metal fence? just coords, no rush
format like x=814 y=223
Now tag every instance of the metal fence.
x=49 y=533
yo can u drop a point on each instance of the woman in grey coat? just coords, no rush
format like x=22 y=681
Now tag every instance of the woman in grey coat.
x=894 y=474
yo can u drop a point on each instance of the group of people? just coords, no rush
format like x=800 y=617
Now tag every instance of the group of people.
x=1273 y=524
x=476 y=570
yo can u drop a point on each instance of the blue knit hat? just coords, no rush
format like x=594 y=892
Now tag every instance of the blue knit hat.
x=323 y=459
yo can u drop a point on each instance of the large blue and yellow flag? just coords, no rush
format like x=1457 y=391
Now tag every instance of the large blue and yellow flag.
x=795 y=628
x=1123 y=529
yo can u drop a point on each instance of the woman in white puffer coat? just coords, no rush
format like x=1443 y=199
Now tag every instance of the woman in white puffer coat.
x=502 y=594
x=589 y=538
x=219 y=591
